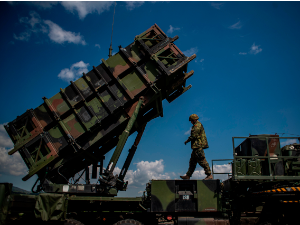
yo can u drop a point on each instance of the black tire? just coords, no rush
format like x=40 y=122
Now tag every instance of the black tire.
x=72 y=222
x=128 y=222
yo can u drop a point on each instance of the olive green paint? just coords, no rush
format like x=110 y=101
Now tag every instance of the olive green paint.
x=160 y=189
x=81 y=84
x=119 y=93
x=133 y=81
x=151 y=70
x=38 y=166
x=207 y=200
x=42 y=108
x=135 y=52
x=106 y=98
x=116 y=60
x=55 y=132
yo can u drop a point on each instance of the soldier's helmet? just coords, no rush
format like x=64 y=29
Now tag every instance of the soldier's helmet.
x=193 y=117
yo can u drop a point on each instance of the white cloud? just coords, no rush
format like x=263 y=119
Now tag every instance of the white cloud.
x=188 y=132
x=5 y=141
x=200 y=61
x=43 y=4
x=288 y=142
x=11 y=164
x=237 y=25
x=74 y=72
x=35 y=24
x=24 y=36
x=145 y=171
x=225 y=168
x=191 y=51
x=39 y=4
x=255 y=49
x=58 y=35
x=35 y=19
x=217 y=5
x=32 y=24
x=84 y=8
x=172 y=29
x=130 y=5
x=97 y=45
x=202 y=118
x=200 y=173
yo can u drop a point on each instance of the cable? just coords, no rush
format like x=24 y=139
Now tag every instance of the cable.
x=112 y=31
x=62 y=175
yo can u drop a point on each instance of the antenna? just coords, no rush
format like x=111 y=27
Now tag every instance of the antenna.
x=112 y=31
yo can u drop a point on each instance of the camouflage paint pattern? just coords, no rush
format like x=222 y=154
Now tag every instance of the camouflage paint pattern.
x=163 y=196
x=185 y=196
x=209 y=195
x=42 y=115
x=92 y=111
x=24 y=129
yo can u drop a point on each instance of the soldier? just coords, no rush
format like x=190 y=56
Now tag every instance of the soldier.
x=198 y=143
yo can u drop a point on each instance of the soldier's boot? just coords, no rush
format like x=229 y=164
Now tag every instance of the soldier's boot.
x=208 y=177
x=185 y=177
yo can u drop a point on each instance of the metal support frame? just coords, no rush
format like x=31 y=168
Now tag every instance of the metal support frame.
x=123 y=137
x=267 y=157
x=108 y=178
x=212 y=166
x=131 y=153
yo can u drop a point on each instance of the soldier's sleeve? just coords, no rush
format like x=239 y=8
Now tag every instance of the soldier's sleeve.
x=195 y=132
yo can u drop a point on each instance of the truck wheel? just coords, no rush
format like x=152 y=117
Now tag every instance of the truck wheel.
x=72 y=222
x=128 y=222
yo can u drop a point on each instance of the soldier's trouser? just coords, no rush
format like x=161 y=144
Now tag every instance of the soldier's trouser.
x=198 y=156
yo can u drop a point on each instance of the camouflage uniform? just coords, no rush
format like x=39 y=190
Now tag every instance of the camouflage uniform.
x=198 y=143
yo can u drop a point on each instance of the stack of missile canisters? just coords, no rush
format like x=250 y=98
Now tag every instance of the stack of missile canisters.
x=82 y=122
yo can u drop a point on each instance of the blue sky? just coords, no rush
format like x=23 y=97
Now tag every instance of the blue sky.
x=246 y=78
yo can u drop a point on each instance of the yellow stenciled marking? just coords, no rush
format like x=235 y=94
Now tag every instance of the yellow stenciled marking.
x=283 y=189
x=278 y=189
x=274 y=190
x=294 y=189
x=298 y=188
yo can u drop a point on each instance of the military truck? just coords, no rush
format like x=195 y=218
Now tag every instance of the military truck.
x=78 y=126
